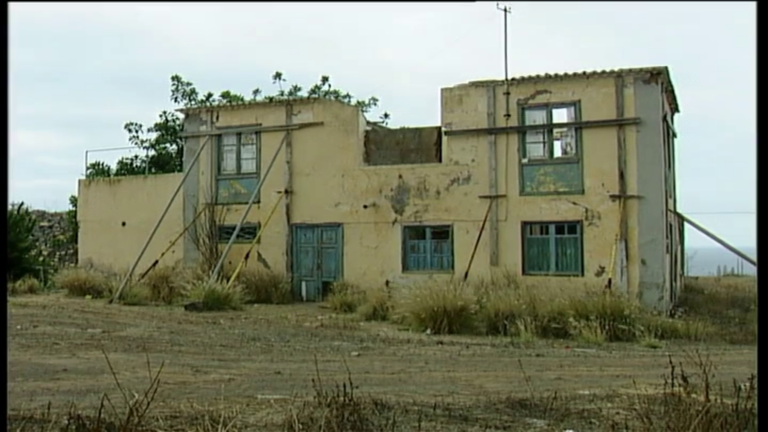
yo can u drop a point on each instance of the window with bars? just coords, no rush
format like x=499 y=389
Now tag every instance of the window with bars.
x=247 y=233
x=239 y=166
x=552 y=142
x=428 y=248
x=552 y=248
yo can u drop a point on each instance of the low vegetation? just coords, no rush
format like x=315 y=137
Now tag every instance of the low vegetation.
x=265 y=287
x=86 y=282
x=688 y=401
x=710 y=309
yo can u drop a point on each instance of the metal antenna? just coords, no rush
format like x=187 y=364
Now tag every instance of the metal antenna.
x=506 y=11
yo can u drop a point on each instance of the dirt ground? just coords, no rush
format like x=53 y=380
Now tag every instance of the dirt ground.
x=265 y=355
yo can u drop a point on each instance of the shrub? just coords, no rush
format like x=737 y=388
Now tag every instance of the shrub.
x=500 y=306
x=614 y=313
x=345 y=297
x=136 y=295
x=25 y=285
x=441 y=308
x=163 y=285
x=377 y=305
x=266 y=287
x=215 y=296
x=24 y=255
x=82 y=282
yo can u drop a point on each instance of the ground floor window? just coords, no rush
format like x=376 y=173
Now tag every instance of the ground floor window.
x=428 y=248
x=247 y=233
x=552 y=248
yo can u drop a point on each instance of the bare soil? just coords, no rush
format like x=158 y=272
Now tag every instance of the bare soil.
x=265 y=355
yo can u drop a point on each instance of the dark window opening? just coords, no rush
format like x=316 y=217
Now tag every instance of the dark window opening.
x=402 y=146
x=247 y=233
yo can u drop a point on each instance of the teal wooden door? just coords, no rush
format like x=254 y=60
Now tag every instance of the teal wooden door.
x=317 y=259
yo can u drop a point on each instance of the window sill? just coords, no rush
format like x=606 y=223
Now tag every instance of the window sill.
x=554 y=274
x=556 y=161
x=543 y=193
x=235 y=176
x=255 y=202
x=428 y=272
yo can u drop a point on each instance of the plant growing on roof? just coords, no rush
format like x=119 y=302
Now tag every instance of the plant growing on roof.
x=162 y=145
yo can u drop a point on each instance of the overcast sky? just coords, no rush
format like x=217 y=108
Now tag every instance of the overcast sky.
x=78 y=72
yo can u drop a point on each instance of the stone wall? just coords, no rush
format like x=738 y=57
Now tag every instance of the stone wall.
x=53 y=235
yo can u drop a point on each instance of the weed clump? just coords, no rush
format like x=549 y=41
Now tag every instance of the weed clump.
x=377 y=305
x=25 y=285
x=209 y=296
x=345 y=297
x=440 y=308
x=163 y=284
x=265 y=287
x=82 y=282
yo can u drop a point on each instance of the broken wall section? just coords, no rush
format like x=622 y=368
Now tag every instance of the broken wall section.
x=403 y=146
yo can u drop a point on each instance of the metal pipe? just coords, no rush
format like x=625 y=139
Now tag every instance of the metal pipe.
x=157 y=225
x=217 y=269
x=102 y=150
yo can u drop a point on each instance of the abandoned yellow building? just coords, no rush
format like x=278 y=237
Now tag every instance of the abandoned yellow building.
x=566 y=176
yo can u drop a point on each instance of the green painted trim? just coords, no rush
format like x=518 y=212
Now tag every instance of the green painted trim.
x=522 y=148
x=551 y=237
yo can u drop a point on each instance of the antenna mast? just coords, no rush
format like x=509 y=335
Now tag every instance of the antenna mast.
x=506 y=11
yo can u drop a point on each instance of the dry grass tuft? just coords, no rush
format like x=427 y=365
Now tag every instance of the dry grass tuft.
x=164 y=284
x=265 y=287
x=25 y=285
x=83 y=282
x=337 y=408
x=691 y=402
x=136 y=295
x=377 y=305
x=440 y=308
x=209 y=296
x=345 y=297
x=728 y=303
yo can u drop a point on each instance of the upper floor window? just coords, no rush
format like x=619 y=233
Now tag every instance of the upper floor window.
x=239 y=154
x=552 y=142
x=239 y=167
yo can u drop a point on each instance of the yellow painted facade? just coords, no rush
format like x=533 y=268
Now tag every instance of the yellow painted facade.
x=331 y=184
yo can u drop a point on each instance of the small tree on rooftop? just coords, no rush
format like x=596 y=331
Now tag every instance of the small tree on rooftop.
x=162 y=142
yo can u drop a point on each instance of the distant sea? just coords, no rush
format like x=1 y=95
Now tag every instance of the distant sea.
x=704 y=261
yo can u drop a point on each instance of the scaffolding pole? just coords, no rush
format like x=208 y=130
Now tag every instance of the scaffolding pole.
x=157 y=225
x=253 y=243
x=167 y=249
x=217 y=269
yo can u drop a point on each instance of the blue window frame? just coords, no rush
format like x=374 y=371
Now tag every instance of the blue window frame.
x=552 y=248
x=428 y=248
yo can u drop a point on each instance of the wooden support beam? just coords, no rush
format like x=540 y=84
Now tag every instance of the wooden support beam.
x=587 y=124
x=248 y=129
x=492 y=196
x=715 y=238
x=288 y=189
x=622 y=247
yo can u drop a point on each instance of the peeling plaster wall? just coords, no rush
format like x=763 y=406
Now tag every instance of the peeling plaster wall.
x=465 y=107
x=117 y=214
